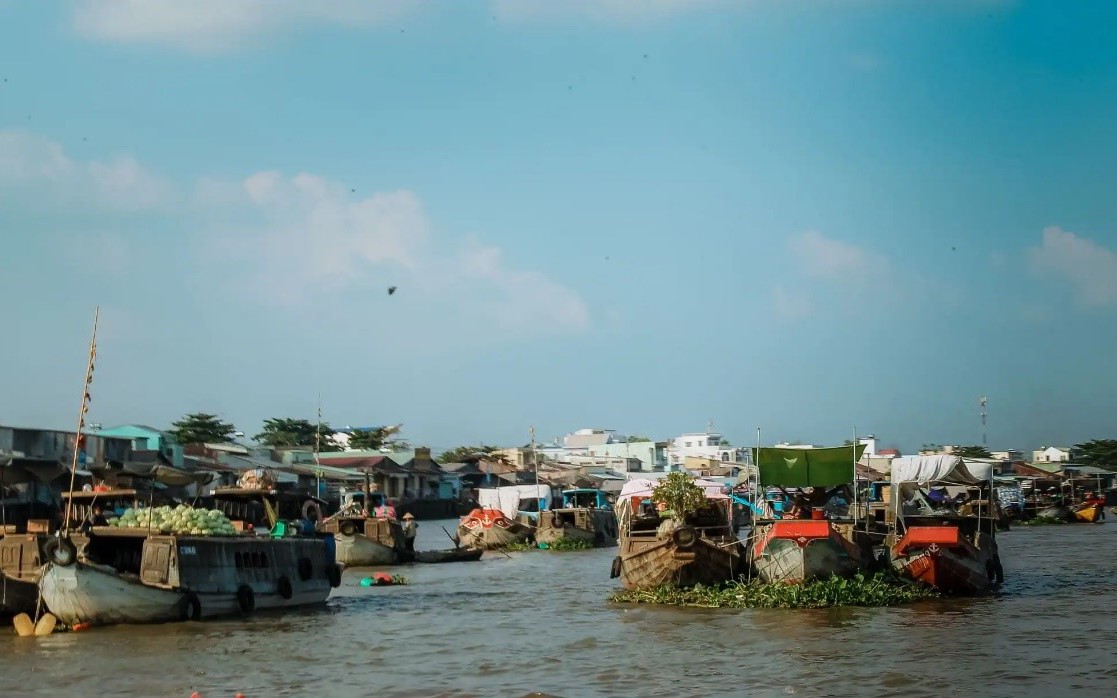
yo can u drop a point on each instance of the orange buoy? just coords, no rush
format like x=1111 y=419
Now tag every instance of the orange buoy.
x=81 y=626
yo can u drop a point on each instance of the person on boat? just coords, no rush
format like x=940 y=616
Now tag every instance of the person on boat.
x=410 y=528
x=96 y=518
x=385 y=511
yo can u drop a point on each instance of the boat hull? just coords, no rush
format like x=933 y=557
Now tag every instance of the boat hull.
x=945 y=570
x=97 y=595
x=452 y=555
x=597 y=527
x=358 y=550
x=489 y=529
x=797 y=551
x=677 y=555
x=945 y=558
x=1089 y=513
x=18 y=596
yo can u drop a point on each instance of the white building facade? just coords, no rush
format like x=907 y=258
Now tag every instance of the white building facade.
x=705 y=444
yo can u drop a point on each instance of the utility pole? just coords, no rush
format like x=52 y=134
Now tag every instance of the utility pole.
x=983 y=402
x=535 y=467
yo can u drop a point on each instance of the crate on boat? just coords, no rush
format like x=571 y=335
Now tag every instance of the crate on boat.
x=38 y=525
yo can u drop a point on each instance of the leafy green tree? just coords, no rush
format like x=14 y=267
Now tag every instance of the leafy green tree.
x=472 y=454
x=971 y=452
x=1101 y=453
x=680 y=493
x=637 y=439
x=724 y=443
x=288 y=433
x=376 y=438
x=200 y=428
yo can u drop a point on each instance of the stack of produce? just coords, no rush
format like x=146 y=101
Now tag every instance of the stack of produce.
x=256 y=479
x=181 y=520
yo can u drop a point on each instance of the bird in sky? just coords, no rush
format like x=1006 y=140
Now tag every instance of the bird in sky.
x=391 y=290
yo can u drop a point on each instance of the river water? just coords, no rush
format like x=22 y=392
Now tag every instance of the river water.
x=510 y=625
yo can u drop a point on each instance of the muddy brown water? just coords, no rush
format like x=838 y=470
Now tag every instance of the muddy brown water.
x=539 y=622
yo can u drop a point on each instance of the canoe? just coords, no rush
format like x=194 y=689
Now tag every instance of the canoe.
x=451 y=555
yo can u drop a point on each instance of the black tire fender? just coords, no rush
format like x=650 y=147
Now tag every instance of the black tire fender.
x=246 y=599
x=333 y=573
x=348 y=528
x=684 y=536
x=306 y=569
x=191 y=607
x=283 y=586
x=556 y=520
x=312 y=511
x=615 y=570
x=60 y=551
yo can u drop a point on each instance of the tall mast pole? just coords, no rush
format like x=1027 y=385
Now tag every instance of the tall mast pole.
x=535 y=466
x=317 y=450
x=81 y=417
x=983 y=403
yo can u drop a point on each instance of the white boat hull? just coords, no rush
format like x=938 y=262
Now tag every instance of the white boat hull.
x=83 y=593
x=358 y=550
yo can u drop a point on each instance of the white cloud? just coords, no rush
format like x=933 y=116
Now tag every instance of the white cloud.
x=315 y=236
x=1086 y=265
x=608 y=11
x=791 y=304
x=29 y=162
x=212 y=26
x=821 y=257
x=818 y=261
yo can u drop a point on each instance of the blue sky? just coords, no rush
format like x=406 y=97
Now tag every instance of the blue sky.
x=808 y=217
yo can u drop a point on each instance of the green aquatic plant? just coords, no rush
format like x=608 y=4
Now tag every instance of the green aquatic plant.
x=880 y=589
x=1042 y=521
x=567 y=545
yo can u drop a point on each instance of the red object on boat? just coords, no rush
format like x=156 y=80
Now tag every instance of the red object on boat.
x=383 y=578
x=941 y=557
x=818 y=514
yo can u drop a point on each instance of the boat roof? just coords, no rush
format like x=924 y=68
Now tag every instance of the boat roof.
x=104 y=494
x=941 y=468
x=582 y=490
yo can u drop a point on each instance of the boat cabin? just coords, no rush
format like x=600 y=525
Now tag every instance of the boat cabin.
x=113 y=502
x=264 y=508
x=585 y=498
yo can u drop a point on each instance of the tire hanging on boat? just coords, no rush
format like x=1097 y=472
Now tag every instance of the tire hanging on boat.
x=348 y=528
x=246 y=599
x=615 y=571
x=60 y=551
x=684 y=536
x=311 y=510
x=556 y=520
x=191 y=607
x=283 y=585
x=333 y=572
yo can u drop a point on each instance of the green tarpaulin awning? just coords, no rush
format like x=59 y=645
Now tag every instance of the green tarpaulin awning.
x=807 y=467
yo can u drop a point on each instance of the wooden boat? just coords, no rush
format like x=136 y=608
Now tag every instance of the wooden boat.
x=450 y=555
x=949 y=554
x=792 y=549
x=953 y=551
x=795 y=551
x=363 y=540
x=127 y=576
x=491 y=529
x=21 y=558
x=654 y=551
x=1088 y=512
x=585 y=515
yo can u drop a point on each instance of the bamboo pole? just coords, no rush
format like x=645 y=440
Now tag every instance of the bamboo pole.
x=81 y=420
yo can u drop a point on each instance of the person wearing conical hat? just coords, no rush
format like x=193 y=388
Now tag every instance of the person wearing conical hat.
x=410 y=528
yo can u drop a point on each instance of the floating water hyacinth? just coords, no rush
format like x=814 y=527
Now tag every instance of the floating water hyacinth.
x=881 y=589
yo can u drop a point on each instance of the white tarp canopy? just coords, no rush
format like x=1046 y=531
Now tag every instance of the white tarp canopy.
x=507 y=499
x=642 y=488
x=940 y=468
